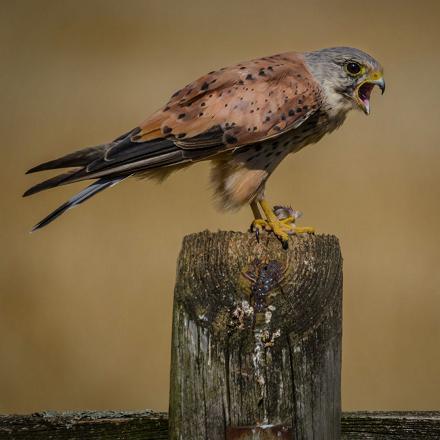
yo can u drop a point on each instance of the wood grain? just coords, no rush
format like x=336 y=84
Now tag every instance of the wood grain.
x=82 y=425
x=391 y=425
x=149 y=425
x=256 y=337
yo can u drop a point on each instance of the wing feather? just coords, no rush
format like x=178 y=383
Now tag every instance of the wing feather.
x=239 y=105
x=222 y=111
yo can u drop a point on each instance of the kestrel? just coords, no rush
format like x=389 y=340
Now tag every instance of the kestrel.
x=245 y=119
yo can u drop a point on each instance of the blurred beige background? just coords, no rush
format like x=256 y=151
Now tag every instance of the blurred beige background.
x=85 y=305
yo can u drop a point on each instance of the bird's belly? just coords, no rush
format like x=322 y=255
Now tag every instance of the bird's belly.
x=239 y=177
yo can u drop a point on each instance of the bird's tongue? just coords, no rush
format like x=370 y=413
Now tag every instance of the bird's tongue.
x=364 y=95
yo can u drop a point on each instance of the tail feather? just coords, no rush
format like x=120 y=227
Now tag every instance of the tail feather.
x=76 y=159
x=120 y=153
x=112 y=163
x=83 y=157
x=77 y=199
x=60 y=179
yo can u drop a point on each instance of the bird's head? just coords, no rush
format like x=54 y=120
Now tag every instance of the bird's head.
x=347 y=76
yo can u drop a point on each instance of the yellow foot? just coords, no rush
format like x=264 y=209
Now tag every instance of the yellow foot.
x=280 y=221
x=280 y=228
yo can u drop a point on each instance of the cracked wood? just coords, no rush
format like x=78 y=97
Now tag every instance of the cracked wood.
x=256 y=337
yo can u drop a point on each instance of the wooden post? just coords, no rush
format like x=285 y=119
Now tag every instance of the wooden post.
x=256 y=347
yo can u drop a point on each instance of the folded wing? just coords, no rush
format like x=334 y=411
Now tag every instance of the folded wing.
x=218 y=113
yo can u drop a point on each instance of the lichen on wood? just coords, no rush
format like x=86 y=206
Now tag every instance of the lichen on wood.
x=256 y=336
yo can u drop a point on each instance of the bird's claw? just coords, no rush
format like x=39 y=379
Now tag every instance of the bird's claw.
x=257 y=228
x=281 y=224
x=280 y=228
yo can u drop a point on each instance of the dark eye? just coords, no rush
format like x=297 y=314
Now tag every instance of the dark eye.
x=353 y=68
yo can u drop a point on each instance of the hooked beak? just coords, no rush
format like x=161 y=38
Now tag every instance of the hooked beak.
x=363 y=90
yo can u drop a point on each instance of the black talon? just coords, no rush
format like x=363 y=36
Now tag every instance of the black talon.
x=257 y=234
x=252 y=228
x=285 y=244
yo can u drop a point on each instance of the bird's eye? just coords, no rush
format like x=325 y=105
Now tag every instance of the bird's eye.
x=353 y=68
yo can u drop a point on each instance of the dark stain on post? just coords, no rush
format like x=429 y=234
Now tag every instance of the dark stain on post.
x=264 y=277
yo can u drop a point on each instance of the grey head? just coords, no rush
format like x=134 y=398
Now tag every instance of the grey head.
x=346 y=75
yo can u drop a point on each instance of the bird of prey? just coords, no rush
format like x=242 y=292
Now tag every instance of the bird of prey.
x=244 y=118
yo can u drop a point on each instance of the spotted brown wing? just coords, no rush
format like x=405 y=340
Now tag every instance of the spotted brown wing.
x=226 y=109
x=235 y=106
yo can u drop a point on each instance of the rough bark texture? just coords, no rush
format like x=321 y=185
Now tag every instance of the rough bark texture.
x=148 y=425
x=85 y=425
x=391 y=425
x=256 y=338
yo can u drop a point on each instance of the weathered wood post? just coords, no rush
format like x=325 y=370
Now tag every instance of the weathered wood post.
x=256 y=347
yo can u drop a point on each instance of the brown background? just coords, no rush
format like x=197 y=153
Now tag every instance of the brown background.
x=85 y=305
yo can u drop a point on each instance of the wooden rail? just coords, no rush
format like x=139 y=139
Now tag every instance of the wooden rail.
x=149 y=425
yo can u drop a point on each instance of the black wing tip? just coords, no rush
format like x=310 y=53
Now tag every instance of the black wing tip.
x=50 y=165
x=35 y=169
x=29 y=192
x=36 y=189
x=53 y=182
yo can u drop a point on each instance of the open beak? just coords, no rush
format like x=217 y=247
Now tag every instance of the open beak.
x=363 y=90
